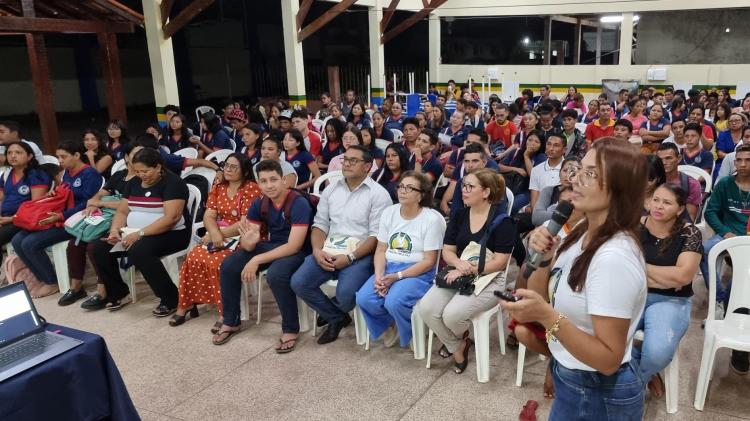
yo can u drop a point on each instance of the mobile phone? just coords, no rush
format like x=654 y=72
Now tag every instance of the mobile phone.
x=507 y=296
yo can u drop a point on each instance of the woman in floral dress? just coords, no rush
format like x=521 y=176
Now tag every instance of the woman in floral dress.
x=227 y=202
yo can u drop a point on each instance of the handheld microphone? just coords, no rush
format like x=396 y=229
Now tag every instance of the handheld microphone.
x=559 y=218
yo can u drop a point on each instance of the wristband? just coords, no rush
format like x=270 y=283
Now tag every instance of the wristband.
x=352 y=258
x=400 y=275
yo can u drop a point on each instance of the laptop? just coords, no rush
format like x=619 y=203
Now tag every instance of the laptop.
x=24 y=342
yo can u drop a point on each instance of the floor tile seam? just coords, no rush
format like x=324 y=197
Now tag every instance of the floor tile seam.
x=422 y=395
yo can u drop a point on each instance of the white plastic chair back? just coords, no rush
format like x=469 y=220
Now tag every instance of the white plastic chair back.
x=511 y=198
x=370 y=112
x=190 y=153
x=202 y=110
x=581 y=127
x=329 y=176
x=49 y=159
x=234 y=144
x=397 y=135
x=165 y=149
x=219 y=156
x=194 y=200
x=117 y=166
x=697 y=174
x=318 y=124
x=204 y=172
x=738 y=249
x=382 y=144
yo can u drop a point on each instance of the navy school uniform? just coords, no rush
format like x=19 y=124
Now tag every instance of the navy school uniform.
x=253 y=155
x=703 y=160
x=431 y=165
x=84 y=183
x=175 y=145
x=220 y=140
x=301 y=163
x=18 y=191
x=278 y=223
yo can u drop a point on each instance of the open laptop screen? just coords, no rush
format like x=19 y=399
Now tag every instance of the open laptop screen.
x=17 y=316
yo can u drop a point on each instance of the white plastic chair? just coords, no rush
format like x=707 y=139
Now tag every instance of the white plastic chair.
x=397 y=135
x=234 y=145
x=204 y=172
x=318 y=124
x=202 y=110
x=332 y=176
x=190 y=153
x=671 y=378
x=49 y=159
x=360 y=330
x=302 y=309
x=697 y=174
x=382 y=144
x=734 y=330
x=117 y=166
x=170 y=261
x=219 y=156
x=581 y=127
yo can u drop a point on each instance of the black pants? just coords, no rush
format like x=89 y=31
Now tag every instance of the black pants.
x=7 y=232
x=145 y=254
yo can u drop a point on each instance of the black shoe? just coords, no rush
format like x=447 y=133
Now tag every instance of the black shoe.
x=320 y=321
x=190 y=314
x=740 y=363
x=96 y=302
x=163 y=310
x=333 y=330
x=71 y=297
x=114 y=305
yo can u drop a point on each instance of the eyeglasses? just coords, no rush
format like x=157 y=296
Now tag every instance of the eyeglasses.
x=231 y=167
x=585 y=177
x=409 y=189
x=467 y=187
x=352 y=161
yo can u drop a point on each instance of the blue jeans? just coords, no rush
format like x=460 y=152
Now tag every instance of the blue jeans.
x=278 y=275
x=722 y=294
x=398 y=303
x=664 y=322
x=519 y=201
x=31 y=247
x=588 y=395
x=310 y=276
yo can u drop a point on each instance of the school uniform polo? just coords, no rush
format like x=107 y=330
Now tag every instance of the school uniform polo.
x=17 y=191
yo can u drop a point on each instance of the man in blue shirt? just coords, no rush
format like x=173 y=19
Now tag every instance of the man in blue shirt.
x=693 y=153
x=423 y=157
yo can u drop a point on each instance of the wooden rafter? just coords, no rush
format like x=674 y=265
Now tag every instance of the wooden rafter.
x=411 y=20
x=185 y=16
x=387 y=15
x=326 y=17
x=304 y=8
x=166 y=10
x=121 y=10
x=71 y=9
x=73 y=26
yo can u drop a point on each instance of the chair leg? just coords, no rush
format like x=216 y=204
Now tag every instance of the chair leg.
x=501 y=330
x=60 y=259
x=429 y=347
x=360 y=326
x=704 y=375
x=131 y=280
x=672 y=383
x=417 y=335
x=244 y=307
x=170 y=264
x=520 y=364
x=304 y=315
x=482 y=348
x=315 y=323
x=259 y=282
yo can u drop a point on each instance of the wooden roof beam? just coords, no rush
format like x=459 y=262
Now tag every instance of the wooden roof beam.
x=166 y=10
x=185 y=16
x=323 y=19
x=40 y=25
x=304 y=8
x=121 y=10
x=387 y=15
x=411 y=20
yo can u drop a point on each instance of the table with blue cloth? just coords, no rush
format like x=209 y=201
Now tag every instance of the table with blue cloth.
x=80 y=384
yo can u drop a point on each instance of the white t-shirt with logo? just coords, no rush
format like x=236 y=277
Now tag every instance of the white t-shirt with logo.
x=615 y=287
x=407 y=240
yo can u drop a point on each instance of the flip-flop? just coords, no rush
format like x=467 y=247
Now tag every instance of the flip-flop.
x=216 y=327
x=286 y=350
x=229 y=334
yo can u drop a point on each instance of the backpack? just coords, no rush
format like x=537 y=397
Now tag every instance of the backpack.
x=16 y=270
x=91 y=228
x=312 y=200
x=685 y=185
x=31 y=212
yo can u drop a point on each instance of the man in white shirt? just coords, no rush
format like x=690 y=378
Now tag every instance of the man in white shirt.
x=10 y=131
x=548 y=172
x=343 y=239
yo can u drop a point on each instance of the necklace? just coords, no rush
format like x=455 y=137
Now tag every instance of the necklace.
x=746 y=199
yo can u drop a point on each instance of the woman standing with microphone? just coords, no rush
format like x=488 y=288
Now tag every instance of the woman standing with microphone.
x=597 y=283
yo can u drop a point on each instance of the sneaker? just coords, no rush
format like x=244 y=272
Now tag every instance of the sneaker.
x=115 y=305
x=71 y=297
x=163 y=310
x=95 y=302
x=740 y=363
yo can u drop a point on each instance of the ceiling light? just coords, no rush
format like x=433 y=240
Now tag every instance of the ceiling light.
x=531 y=56
x=727 y=30
x=526 y=40
x=616 y=18
x=554 y=53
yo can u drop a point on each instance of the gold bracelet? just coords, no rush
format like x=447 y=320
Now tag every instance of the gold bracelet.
x=552 y=331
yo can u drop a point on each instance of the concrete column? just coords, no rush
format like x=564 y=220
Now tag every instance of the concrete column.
x=295 y=67
x=599 y=44
x=434 y=53
x=547 y=41
x=377 y=54
x=161 y=57
x=626 y=39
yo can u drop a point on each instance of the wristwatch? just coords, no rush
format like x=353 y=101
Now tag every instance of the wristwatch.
x=141 y=233
x=352 y=258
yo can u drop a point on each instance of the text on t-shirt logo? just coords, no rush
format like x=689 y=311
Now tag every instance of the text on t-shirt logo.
x=77 y=182
x=296 y=164
x=23 y=190
x=400 y=243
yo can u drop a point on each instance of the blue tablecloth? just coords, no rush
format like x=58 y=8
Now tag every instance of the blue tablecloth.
x=80 y=384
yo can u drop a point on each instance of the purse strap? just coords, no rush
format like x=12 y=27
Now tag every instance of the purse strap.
x=493 y=221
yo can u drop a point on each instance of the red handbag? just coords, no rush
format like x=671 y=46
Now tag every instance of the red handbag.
x=31 y=212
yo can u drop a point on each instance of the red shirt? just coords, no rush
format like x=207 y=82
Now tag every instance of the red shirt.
x=595 y=131
x=504 y=131
x=313 y=143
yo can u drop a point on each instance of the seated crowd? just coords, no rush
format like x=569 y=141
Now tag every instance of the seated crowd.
x=379 y=226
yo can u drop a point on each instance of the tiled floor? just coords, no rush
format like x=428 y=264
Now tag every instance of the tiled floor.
x=177 y=374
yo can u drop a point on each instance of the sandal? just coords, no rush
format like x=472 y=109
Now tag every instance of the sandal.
x=656 y=386
x=443 y=352
x=216 y=327
x=281 y=350
x=219 y=340
x=461 y=367
x=190 y=314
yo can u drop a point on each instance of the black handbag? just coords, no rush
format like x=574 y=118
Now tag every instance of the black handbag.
x=465 y=284
x=516 y=183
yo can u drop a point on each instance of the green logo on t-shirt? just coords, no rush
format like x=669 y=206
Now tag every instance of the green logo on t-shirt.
x=401 y=243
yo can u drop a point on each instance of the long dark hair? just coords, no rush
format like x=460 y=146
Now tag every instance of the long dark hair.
x=149 y=157
x=297 y=135
x=384 y=175
x=101 y=149
x=338 y=127
x=624 y=169
x=123 y=132
x=372 y=146
x=681 y=199
x=184 y=133
x=32 y=164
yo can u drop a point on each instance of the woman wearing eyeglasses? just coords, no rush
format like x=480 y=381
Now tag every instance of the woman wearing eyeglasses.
x=409 y=238
x=445 y=310
x=597 y=279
